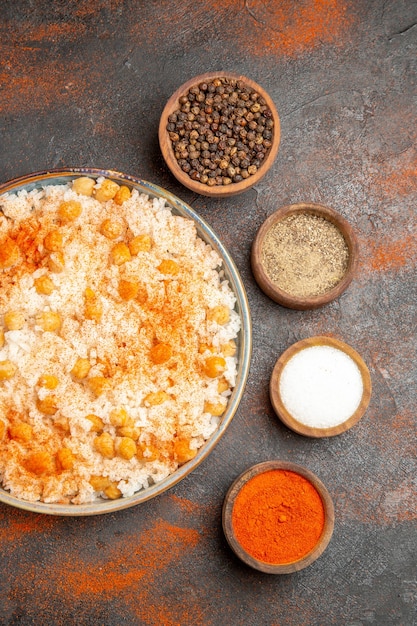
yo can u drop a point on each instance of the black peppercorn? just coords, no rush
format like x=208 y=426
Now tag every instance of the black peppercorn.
x=221 y=132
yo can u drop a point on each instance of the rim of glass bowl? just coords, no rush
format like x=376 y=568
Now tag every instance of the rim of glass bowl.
x=58 y=176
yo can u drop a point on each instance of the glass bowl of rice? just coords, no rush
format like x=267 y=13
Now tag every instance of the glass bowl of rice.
x=125 y=341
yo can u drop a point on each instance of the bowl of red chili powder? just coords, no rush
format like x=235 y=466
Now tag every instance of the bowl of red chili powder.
x=278 y=517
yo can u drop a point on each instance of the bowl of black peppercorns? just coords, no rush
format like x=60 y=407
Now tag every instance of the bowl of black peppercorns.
x=219 y=134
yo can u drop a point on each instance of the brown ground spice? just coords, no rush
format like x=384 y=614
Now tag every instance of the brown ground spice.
x=305 y=255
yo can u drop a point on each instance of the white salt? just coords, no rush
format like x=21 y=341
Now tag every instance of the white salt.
x=321 y=386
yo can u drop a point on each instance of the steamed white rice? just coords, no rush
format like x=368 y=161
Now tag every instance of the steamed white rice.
x=172 y=310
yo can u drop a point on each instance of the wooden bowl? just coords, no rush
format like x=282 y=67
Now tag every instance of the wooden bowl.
x=282 y=411
x=284 y=568
x=217 y=191
x=282 y=297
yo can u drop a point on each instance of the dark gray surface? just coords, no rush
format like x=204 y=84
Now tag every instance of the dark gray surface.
x=84 y=84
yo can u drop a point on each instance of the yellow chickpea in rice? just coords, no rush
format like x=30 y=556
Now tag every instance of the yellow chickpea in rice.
x=7 y=369
x=9 y=253
x=21 y=431
x=39 y=463
x=65 y=459
x=126 y=448
x=14 y=320
x=44 y=285
x=104 y=444
x=169 y=266
x=120 y=253
x=219 y=314
x=99 y=483
x=155 y=398
x=69 y=210
x=53 y=241
x=56 y=262
x=120 y=417
x=122 y=194
x=47 y=405
x=49 y=321
x=98 y=384
x=214 y=366
x=215 y=408
x=84 y=185
x=140 y=243
x=111 y=229
x=182 y=451
x=160 y=353
x=48 y=381
x=97 y=424
x=112 y=492
x=81 y=368
x=107 y=190
x=128 y=290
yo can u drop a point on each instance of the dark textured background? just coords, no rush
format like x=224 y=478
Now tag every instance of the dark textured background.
x=84 y=83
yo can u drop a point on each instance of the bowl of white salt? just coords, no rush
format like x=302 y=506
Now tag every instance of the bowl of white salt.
x=320 y=387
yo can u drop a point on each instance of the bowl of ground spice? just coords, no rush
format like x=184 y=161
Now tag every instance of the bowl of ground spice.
x=219 y=133
x=320 y=387
x=304 y=255
x=278 y=517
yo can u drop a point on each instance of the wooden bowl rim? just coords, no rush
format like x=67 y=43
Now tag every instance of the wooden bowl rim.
x=283 y=413
x=165 y=144
x=311 y=302
x=329 y=517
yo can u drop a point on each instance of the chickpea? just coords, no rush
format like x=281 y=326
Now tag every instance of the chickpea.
x=222 y=385
x=229 y=348
x=65 y=459
x=129 y=431
x=21 y=431
x=112 y=492
x=182 y=451
x=126 y=448
x=104 y=444
x=160 y=353
x=81 y=368
x=99 y=483
x=14 y=320
x=56 y=262
x=49 y=381
x=140 y=243
x=9 y=253
x=84 y=185
x=214 y=366
x=156 y=398
x=128 y=290
x=147 y=452
x=169 y=266
x=122 y=194
x=111 y=229
x=204 y=347
x=219 y=314
x=48 y=405
x=49 y=321
x=215 y=408
x=69 y=210
x=107 y=190
x=120 y=253
x=40 y=463
x=7 y=370
x=98 y=384
x=97 y=423
x=62 y=423
x=120 y=417
x=44 y=285
x=53 y=241
x=93 y=309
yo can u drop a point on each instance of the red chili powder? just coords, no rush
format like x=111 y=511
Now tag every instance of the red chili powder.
x=387 y=254
x=278 y=516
